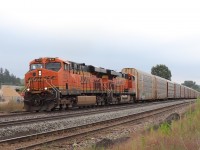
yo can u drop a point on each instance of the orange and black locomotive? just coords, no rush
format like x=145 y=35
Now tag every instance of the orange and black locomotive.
x=53 y=82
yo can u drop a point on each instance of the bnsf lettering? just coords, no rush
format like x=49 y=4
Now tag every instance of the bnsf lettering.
x=84 y=80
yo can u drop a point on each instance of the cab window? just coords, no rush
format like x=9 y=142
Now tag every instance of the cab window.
x=36 y=66
x=55 y=66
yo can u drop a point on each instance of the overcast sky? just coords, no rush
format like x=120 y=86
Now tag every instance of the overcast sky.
x=108 y=33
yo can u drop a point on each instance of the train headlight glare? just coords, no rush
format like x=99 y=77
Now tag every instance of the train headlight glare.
x=28 y=89
x=45 y=88
x=40 y=73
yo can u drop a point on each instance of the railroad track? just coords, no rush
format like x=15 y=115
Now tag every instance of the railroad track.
x=14 y=114
x=74 y=114
x=69 y=133
x=59 y=117
x=25 y=113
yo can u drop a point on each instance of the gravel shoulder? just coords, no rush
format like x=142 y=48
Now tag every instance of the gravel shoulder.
x=39 y=127
x=115 y=137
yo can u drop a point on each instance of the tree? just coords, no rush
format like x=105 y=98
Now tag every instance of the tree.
x=7 y=78
x=161 y=71
x=1 y=75
x=192 y=85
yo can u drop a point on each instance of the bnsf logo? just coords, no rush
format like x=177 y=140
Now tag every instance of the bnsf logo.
x=84 y=79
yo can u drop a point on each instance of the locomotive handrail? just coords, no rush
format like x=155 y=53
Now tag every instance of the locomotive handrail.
x=53 y=87
x=26 y=87
x=50 y=84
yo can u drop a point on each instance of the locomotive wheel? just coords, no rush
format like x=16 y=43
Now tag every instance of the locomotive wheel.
x=37 y=102
x=40 y=102
x=32 y=108
x=49 y=107
x=61 y=107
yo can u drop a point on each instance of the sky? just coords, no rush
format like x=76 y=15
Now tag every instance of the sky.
x=113 y=34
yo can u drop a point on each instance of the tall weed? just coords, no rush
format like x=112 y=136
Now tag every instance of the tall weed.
x=180 y=135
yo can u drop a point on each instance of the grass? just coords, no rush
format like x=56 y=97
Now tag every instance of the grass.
x=11 y=106
x=179 y=135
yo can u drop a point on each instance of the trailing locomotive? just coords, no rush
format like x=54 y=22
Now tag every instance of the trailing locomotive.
x=53 y=82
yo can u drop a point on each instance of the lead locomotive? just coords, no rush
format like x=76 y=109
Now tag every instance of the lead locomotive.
x=52 y=82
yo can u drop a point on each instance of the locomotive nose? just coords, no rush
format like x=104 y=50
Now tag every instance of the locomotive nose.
x=33 y=74
x=37 y=73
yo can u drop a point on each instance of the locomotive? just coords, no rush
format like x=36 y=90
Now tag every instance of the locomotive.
x=53 y=82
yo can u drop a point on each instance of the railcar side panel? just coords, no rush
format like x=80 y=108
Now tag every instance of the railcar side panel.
x=161 y=88
x=170 y=90
x=192 y=93
x=177 y=90
x=145 y=84
x=186 y=92
x=182 y=91
x=189 y=93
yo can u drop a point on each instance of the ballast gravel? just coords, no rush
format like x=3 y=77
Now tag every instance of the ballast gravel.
x=35 y=115
x=46 y=126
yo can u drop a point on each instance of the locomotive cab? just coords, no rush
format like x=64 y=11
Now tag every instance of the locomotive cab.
x=42 y=90
x=48 y=63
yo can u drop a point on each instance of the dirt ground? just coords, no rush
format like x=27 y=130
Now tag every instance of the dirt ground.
x=8 y=93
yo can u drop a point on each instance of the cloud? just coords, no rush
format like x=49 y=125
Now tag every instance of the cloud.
x=111 y=34
x=166 y=20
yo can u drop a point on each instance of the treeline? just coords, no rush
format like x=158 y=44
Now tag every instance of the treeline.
x=192 y=85
x=164 y=72
x=8 y=78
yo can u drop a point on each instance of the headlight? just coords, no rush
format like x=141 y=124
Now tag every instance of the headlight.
x=45 y=88
x=40 y=73
x=28 y=89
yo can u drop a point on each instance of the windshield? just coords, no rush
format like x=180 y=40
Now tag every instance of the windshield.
x=36 y=66
x=53 y=66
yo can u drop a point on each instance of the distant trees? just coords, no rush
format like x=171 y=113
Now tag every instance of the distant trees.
x=7 y=78
x=192 y=85
x=161 y=71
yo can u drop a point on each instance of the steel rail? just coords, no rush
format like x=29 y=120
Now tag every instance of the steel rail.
x=77 y=114
x=71 y=115
x=24 y=113
x=109 y=123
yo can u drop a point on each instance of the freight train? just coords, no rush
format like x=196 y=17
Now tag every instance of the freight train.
x=54 y=83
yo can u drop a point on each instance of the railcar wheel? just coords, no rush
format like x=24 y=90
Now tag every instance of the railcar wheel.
x=61 y=107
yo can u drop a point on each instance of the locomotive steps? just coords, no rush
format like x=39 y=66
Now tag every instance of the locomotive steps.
x=94 y=123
